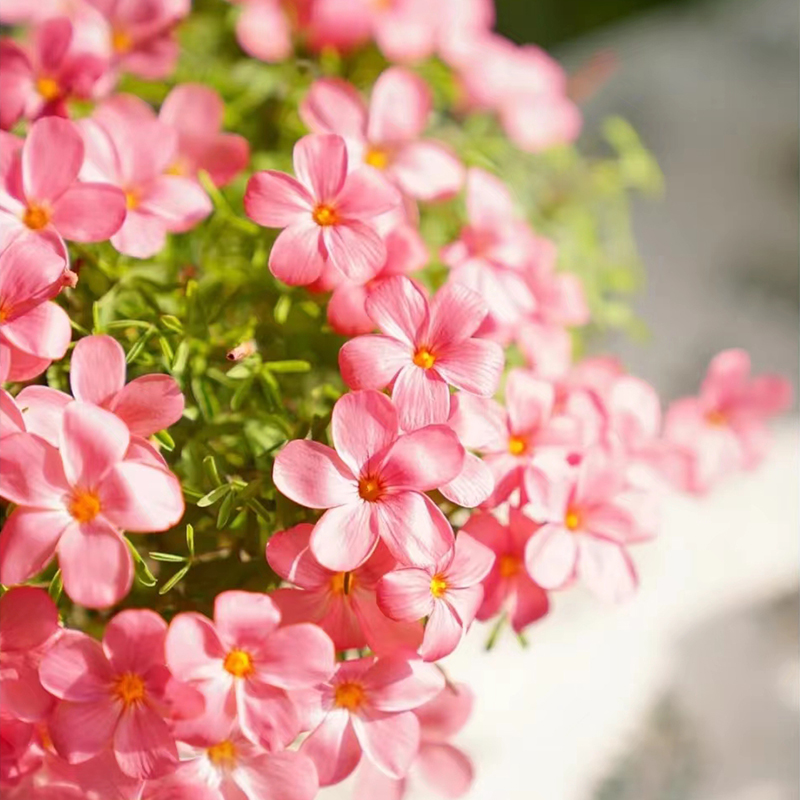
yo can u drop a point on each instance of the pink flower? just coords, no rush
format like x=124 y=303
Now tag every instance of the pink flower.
x=387 y=135
x=264 y=29
x=343 y=604
x=372 y=484
x=117 y=693
x=42 y=194
x=75 y=501
x=367 y=707
x=444 y=768
x=33 y=330
x=347 y=312
x=244 y=663
x=723 y=430
x=448 y=593
x=492 y=253
x=11 y=419
x=39 y=80
x=508 y=587
x=221 y=764
x=327 y=215
x=141 y=34
x=586 y=525
x=133 y=153
x=28 y=622
x=425 y=348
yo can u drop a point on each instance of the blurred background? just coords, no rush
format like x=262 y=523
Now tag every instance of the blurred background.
x=691 y=691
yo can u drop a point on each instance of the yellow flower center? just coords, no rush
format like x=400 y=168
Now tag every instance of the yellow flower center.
x=325 y=215
x=572 y=520
x=349 y=695
x=121 y=42
x=342 y=583
x=238 y=663
x=36 y=217
x=132 y=199
x=509 y=566
x=222 y=754
x=424 y=358
x=6 y=310
x=376 y=157
x=370 y=489
x=438 y=585
x=84 y=505
x=48 y=88
x=716 y=418
x=129 y=688
x=517 y=445
x=178 y=167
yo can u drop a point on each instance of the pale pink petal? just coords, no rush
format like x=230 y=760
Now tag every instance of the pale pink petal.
x=51 y=158
x=355 y=249
x=313 y=475
x=421 y=396
x=81 y=731
x=606 y=569
x=413 y=528
x=372 y=361
x=405 y=594
x=149 y=404
x=30 y=271
x=551 y=555
x=475 y=366
x=28 y=542
x=31 y=473
x=390 y=741
x=134 y=640
x=371 y=782
x=424 y=459
x=289 y=556
x=447 y=713
x=347 y=313
x=481 y=423
x=333 y=105
x=89 y=212
x=427 y=171
x=180 y=202
x=224 y=157
x=263 y=31
x=141 y=235
x=471 y=562
x=333 y=748
x=465 y=602
x=384 y=636
x=193 y=648
x=267 y=715
x=320 y=163
x=297 y=657
x=96 y=564
x=727 y=374
x=537 y=123
x=399 y=107
x=193 y=109
x=11 y=419
x=489 y=202
x=297 y=257
x=456 y=312
x=278 y=776
x=443 y=632
x=243 y=619
x=398 y=308
x=529 y=401
x=366 y=194
x=43 y=331
x=143 y=745
x=363 y=425
x=44 y=408
x=345 y=536
x=74 y=668
x=446 y=769
x=275 y=199
x=472 y=486
x=97 y=369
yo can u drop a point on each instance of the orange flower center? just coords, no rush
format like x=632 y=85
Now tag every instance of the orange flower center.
x=238 y=663
x=572 y=520
x=342 y=583
x=716 y=418
x=349 y=695
x=129 y=688
x=517 y=445
x=6 y=310
x=377 y=157
x=121 y=42
x=222 y=754
x=509 y=566
x=48 y=88
x=36 y=217
x=325 y=215
x=438 y=585
x=424 y=358
x=132 y=199
x=84 y=505
x=370 y=489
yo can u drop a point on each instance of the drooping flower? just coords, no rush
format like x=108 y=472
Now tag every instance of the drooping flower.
x=448 y=593
x=33 y=330
x=245 y=664
x=508 y=586
x=343 y=604
x=367 y=707
x=76 y=500
x=372 y=484
x=327 y=214
x=424 y=348
x=387 y=135
x=723 y=429
x=41 y=193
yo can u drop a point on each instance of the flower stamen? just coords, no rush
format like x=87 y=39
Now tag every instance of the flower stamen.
x=325 y=215
x=238 y=663
x=349 y=695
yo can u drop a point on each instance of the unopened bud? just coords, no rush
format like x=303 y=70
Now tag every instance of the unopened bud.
x=242 y=351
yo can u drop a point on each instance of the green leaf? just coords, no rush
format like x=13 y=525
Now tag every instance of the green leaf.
x=56 y=586
x=167 y=442
x=287 y=366
x=210 y=466
x=143 y=574
x=170 y=557
x=190 y=539
x=214 y=495
x=282 y=309
x=174 y=580
x=138 y=346
x=225 y=511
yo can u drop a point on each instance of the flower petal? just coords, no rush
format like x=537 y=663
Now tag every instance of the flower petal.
x=194 y=651
x=297 y=657
x=423 y=459
x=28 y=618
x=141 y=235
x=472 y=486
x=243 y=619
x=43 y=331
x=74 y=668
x=313 y=475
x=31 y=473
x=92 y=442
x=51 y=158
x=143 y=745
x=428 y=171
x=606 y=569
x=422 y=398
x=333 y=747
x=390 y=741
x=355 y=249
x=475 y=365
x=551 y=555
x=149 y=404
x=405 y=594
x=443 y=632
x=399 y=107
x=28 y=542
x=333 y=105
x=320 y=163
x=283 y=776
x=134 y=640
x=289 y=556
x=446 y=769
x=97 y=370
x=275 y=200
x=366 y=194
x=399 y=308
x=89 y=212
x=81 y=731
x=372 y=361
x=267 y=715
x=297 y=257
x=344 y=537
